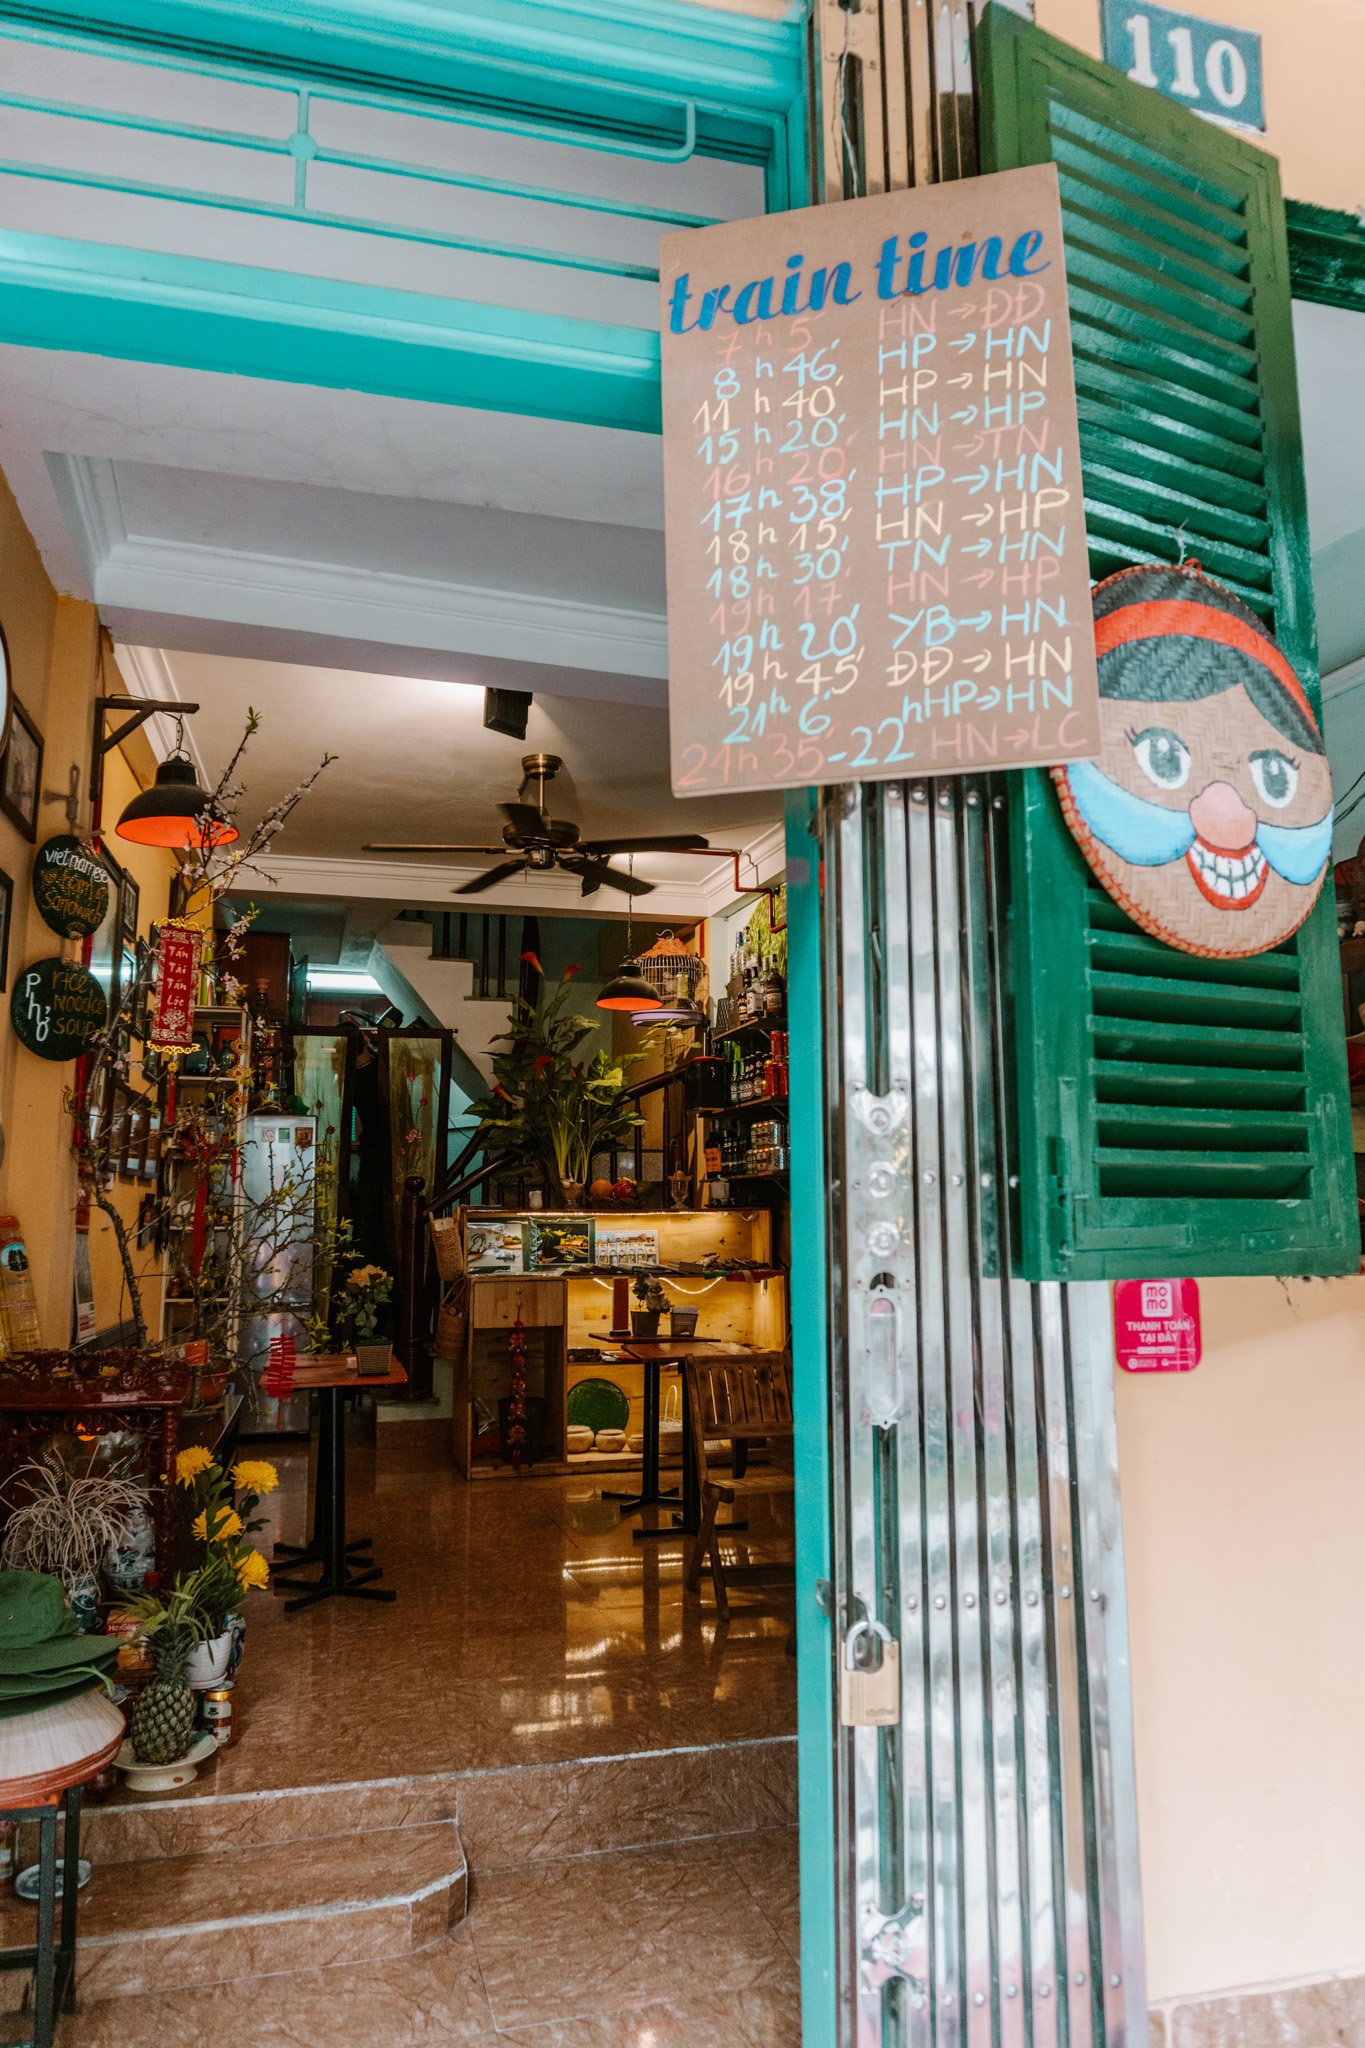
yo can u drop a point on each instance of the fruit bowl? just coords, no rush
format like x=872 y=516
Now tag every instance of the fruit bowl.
x=165 y=1777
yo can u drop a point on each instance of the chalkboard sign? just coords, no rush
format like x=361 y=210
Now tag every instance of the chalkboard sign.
x=70 y=886
x=876 y=547
x=57 y=1009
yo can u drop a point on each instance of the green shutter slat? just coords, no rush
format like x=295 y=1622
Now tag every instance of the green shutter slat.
x=1103 y=293
x=1176 y=1114
x=1243 y=499
x=1195 y=1173
x=1159 y=1039
x=1185 y=194
x=1120 y=252
x=1209 y=1085
x=1214 y=262
x=1124 y=489
x=1200 y=1128
x=1119 y=536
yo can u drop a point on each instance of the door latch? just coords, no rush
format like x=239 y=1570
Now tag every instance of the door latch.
x=893 y=1947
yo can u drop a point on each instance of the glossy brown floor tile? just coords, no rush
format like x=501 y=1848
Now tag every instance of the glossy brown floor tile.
x=527 y=1629
x=666 y=1949
x=603 y=1934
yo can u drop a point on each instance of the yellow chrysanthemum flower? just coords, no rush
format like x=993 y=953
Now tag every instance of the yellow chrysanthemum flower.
x=252 y=1570
x=254 y=1475
x=227 y=1523
x=190 y=1463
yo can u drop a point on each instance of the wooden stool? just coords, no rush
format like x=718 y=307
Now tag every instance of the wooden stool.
x=43 y=1797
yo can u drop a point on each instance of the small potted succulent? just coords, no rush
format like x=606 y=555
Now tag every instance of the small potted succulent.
x=644 y=1321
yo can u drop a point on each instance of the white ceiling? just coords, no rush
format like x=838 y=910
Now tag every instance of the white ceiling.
x=414 y=762
x=360 y=568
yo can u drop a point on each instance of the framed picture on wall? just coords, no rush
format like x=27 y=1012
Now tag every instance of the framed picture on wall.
x=106 y=950
x=21 y=773
x=6 y=906
x=6 y=691
x=128 y=898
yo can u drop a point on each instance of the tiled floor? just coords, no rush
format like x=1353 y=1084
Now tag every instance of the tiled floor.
x=532 y=1639
x=529 y=1628
x=684 y=1947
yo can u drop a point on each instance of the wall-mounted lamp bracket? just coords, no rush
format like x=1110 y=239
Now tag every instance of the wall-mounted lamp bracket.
x=140 y=710
x=70 y=798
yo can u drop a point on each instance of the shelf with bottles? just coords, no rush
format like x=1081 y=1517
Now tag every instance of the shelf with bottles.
x=760 y=1105
x=750 y=1027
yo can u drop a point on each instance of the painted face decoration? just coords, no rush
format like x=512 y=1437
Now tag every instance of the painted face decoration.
x=1208 y=814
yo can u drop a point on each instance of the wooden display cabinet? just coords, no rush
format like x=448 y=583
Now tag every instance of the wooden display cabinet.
x=744 y=1300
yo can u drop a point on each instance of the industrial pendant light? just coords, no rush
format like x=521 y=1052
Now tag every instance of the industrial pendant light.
x=628 y=989
x=176 y=811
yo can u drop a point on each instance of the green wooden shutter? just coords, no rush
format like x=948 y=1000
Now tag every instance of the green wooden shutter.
x=1176 y=1115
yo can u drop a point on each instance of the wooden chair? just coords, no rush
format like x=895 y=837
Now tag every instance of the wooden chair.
x=749 y=1401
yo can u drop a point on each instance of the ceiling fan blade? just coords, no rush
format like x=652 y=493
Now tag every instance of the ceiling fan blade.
x=526 y=821
x=498 y=874
x=665 y=842
x=424 y=846
x=592 y=881
x=600 y=875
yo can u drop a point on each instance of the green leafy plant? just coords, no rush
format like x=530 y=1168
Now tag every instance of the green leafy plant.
x=366 y=1294
x=550 y=1110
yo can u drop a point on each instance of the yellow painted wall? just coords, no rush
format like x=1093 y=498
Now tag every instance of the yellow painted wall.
x=151 y=868
x=53 y=644
x=1313 y=59
x=1244 y=1527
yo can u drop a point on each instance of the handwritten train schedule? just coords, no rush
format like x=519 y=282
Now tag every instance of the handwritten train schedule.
x=876 y=542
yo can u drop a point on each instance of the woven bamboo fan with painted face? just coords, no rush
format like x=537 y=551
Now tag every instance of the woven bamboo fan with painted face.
x=1208 y=813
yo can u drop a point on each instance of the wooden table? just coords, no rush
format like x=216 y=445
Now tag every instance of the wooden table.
x=652 y=1353
x=330 y=1378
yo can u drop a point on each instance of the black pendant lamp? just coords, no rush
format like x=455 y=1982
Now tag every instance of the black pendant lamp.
x=176 y=811
x=628 y=989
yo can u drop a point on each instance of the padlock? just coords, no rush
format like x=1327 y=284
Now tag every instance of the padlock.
x=871 y=1698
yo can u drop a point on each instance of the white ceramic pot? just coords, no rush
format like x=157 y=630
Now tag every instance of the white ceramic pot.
x=209 y=1662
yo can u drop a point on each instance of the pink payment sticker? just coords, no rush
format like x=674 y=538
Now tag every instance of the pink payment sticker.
x=1156 y=1325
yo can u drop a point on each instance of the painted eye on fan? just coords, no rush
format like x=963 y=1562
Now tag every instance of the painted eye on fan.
x=1163 y=757
x=1276 y=777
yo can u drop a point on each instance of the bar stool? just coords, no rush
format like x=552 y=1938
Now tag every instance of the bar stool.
x=59 y=1749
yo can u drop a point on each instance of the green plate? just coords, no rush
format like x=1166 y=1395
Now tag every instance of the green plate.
x=598 y=1404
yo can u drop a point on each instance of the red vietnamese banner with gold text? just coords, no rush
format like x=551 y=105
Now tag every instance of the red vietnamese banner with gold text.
x=177 y=987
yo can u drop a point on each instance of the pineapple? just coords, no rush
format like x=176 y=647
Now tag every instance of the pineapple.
x=163 y=1719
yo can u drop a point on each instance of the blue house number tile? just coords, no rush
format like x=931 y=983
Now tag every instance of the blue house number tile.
x=1206 y=65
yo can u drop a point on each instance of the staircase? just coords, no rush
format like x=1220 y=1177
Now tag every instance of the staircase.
x=189 y=1892
x=461 y=970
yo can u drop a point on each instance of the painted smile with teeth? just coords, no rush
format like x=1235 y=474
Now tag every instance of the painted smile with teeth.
x=1233 y=881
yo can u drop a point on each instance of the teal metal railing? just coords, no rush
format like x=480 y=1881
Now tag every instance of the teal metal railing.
x=301 y=152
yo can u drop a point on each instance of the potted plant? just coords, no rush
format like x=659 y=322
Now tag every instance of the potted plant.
x=644 y=1321
x=550 y=1112
x=221 y=1509
x=72 y=1524
x=368 y=1289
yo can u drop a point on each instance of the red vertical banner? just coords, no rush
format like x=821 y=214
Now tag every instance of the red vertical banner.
x=177 y=986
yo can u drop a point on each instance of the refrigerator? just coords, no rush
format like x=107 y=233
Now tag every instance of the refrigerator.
x=279 y=1207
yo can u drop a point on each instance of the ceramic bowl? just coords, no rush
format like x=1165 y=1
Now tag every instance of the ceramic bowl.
x=611 y=1440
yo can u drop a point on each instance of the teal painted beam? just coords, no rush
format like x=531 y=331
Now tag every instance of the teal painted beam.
x=198 y=315
x=810 y=1410
x=610 y=69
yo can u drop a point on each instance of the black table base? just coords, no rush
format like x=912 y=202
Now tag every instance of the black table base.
x=328 y=1547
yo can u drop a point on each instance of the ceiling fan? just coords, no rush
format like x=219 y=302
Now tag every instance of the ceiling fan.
x=538 y=841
